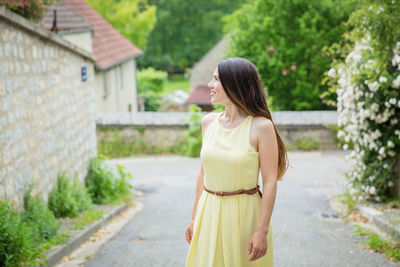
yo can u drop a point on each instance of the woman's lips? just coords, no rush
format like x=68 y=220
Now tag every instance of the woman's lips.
x=212 y=93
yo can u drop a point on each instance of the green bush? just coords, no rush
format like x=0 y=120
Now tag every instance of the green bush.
x=152 y=80
x=192 y=146
x=307 y=143
x=152 y=100
x=41 y=219
x=107 y=185
x=151 y=84
x=17 y=240
x=66 y=200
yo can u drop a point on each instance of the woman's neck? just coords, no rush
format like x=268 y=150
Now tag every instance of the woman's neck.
x=233 y=113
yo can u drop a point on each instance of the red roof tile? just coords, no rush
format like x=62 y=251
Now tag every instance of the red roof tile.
x=109 y=46
x=67 y=19
x=200 y=96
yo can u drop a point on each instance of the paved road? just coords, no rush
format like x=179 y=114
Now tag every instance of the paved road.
x=304 y=235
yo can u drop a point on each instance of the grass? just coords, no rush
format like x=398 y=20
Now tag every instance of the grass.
x=176 y=82
x=377 y=244
x=372 y=240
x=59 y=239
x=115 y=147
x=118 y=149
x=87 y=217
x=347 y=200
x=307 y=144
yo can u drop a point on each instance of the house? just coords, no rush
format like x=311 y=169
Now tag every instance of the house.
x=201 y=74
x=115 y=68
x=201 y=97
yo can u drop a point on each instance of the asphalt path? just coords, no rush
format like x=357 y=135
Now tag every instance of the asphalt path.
x=306 y=230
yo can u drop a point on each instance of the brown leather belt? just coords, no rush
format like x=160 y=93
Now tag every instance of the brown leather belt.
x=241 y=191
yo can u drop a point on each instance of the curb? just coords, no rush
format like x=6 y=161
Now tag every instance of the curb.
x=382 y=221
x=78 y=237
x=56 y=253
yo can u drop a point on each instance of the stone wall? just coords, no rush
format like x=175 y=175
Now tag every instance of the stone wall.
x=166 y=129
x=46 y=112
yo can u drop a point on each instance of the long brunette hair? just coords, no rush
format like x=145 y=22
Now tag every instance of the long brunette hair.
x=242 y=84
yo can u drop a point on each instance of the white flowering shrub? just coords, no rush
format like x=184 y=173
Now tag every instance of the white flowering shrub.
x=368 y=90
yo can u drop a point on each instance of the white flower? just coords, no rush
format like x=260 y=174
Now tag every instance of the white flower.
x=393 y=101
x=381 y=151
x=396 y=82
x=345 y=146
x=385 y=166
x=373 y=86
x=332 y=73
x=396 y=60
x=390 y=144
x=377 y=199
x=372 y=190
x=382 y=79
x=390 y=184
x=352 y=191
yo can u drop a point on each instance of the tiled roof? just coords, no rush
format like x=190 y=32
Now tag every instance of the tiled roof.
x=200 y=96
x=109 y=46
x=67 y=19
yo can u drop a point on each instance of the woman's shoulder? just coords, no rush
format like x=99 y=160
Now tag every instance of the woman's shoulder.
x=262 y=125
x=209 y=117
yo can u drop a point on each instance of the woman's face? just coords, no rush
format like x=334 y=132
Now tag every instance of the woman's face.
x=217 y=93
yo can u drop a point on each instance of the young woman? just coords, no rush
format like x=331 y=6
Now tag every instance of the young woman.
x=230 y=224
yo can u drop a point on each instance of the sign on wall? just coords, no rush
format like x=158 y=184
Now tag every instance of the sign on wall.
x=83 y=74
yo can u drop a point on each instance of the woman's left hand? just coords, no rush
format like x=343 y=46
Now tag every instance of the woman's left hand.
x=258 y=245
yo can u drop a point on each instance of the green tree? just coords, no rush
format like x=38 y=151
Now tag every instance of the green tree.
x=285 y=40
x=185 y=30
x=134 y=19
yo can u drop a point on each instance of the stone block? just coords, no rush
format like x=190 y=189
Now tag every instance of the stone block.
x=3 y=174
x=15 y=52
x=26 y=68
x=34 y=51
x=5 y=35
x=21 y=53
x=2 y=88
x=7 y=50
x=4 y=69
x=2 y=192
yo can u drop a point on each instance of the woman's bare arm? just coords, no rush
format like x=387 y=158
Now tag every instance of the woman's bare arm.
x=200 y=177
x=268 y=152
x=199 y=190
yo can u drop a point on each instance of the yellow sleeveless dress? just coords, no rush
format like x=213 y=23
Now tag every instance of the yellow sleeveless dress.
x=224 y=225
